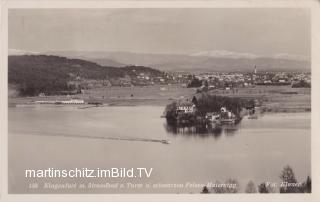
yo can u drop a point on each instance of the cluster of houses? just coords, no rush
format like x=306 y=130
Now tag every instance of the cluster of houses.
x=218 y=80
x=133 y=78
x=224 y=116
x=185 y=107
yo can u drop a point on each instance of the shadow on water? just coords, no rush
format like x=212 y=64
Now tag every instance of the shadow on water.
x=201 y=130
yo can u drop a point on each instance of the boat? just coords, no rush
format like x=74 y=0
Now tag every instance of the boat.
x=165 y=141
x=228 y=120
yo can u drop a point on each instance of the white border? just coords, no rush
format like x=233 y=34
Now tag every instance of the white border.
x=314 y=5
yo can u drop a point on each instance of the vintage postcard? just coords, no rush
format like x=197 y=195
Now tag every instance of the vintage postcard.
x=160 y=98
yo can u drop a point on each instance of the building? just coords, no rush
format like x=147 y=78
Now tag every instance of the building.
x=42 y=95
x=213 y=116
x=186 y=107
x=73 y=101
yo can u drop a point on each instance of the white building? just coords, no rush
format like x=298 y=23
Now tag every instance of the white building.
x=73 y=101
x=186 y=107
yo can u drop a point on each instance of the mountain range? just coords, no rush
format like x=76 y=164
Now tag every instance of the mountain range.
x=197 y=62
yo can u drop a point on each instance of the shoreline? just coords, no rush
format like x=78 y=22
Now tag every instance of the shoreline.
x=272 y=99
x=155 y=103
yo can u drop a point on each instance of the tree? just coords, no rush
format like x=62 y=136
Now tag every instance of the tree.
x=170 y=110
x=307 y=185
x=232 y=187
x=251 y=187
x=205 y=190
x=212 y=103
x=205 y=83
x=301 y=84
x=263 y=188
x=194 y=101
x=218 y=189
x=194 y=83
x=287 y=176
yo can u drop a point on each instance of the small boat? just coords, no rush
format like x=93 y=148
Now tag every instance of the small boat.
x=228 y=120
x=165 y=142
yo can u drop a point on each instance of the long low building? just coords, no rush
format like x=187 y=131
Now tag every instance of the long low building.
x=72 y=101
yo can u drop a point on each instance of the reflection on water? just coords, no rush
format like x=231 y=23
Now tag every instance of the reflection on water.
x=201 y=130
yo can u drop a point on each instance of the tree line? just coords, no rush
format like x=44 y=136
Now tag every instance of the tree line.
x=288 y=184
x=205 y=103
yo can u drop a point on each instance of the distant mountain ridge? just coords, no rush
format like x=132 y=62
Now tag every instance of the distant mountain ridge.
x=203 y=61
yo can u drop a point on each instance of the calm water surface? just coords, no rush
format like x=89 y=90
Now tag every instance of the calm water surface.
x=39 y=138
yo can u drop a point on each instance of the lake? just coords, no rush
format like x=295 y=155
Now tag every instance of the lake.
x=66 y=137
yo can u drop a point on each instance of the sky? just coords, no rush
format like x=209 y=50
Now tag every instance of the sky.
x=193 y=31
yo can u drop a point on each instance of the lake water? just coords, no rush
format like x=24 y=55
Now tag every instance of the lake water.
x=42 y=137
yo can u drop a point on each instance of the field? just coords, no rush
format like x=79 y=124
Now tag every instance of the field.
x=275 y=98
x=147 y=95
x=272 y=98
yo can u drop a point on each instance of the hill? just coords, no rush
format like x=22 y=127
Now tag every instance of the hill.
x=34 y=74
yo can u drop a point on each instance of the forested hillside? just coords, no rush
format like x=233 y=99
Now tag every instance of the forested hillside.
x=34 y=74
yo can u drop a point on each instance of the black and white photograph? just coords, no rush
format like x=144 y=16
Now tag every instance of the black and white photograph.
x=172 y=100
